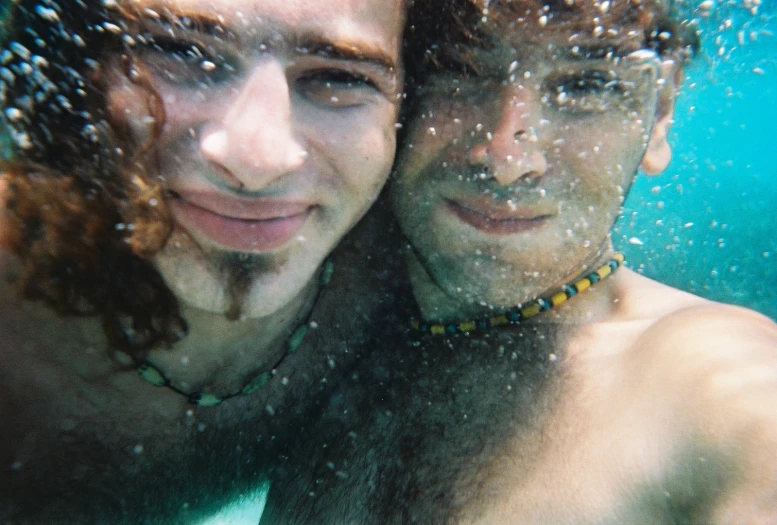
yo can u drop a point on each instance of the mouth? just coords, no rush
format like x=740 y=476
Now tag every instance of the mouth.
x=495 y=219
x=260 y=225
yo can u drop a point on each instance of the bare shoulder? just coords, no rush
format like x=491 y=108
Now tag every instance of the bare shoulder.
x=709 y=332
x=713 y=349
x=716 y=366
x=677 y=327
x=640 y=298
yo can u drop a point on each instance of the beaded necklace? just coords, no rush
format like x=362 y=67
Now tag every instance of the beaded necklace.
x=523 y=311
x=154 y=375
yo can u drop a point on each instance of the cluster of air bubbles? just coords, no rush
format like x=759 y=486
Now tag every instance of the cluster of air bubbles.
x=41 y=60
x=90 y=133
x=707 y=8
x=731 y=26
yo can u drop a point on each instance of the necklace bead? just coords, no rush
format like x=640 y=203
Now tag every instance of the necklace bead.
x=155 y=376
x=523 y=311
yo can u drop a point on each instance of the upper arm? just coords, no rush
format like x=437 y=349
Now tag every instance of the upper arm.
x=724 y=363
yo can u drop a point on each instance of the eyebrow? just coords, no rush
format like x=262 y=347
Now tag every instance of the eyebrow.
x=347 y=51
x=203 y=23
x=309 y=44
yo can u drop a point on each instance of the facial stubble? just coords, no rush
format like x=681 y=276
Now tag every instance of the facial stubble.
x=240 y=270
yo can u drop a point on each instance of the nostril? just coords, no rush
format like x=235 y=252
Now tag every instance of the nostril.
x=526 y=135
x=228 y=176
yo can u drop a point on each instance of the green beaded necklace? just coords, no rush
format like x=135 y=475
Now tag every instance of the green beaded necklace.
x=152 y=374
x=523 y=311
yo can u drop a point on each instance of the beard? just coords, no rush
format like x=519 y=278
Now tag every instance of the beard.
x=239 y=271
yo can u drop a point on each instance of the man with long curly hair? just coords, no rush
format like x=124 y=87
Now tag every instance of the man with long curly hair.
x=175 y=175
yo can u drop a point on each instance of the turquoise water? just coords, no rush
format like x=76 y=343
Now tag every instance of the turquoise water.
x=707 y=224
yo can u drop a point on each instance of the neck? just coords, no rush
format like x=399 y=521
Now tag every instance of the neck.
x=438 y=304
x=219 y=354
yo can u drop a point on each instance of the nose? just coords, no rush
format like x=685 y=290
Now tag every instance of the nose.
x=513 y=150
x=255 y=143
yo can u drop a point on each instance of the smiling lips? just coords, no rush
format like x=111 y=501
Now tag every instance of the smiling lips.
x=241 y=225
x=493 y=218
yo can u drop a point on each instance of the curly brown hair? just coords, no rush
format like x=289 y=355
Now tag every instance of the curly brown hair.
x=468 y=25
x=85 y=206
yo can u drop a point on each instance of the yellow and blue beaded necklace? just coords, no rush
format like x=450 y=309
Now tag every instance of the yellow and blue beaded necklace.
x=521 y=312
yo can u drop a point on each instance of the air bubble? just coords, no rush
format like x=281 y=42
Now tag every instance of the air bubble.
x=20 y=50
x=13 y=114
x=39 y=61
x=47 y=13
x=113 y=28
x=22 y=140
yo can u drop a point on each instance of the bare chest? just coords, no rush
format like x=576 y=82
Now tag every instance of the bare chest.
x=495 y=440
x=577 y=478
x=102 y=446
x=609 y=451
x=99 y=460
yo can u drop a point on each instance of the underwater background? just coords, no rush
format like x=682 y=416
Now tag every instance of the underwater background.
x=707 y=224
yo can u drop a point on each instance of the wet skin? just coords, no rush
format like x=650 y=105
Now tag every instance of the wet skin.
x=630 y=403
x=520 y=171
x=279 y=134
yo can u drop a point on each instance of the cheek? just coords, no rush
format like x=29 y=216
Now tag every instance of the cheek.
x=361 y=147
x=611 y=148
x=434 y=137
x=186 y=111
x=418 y=151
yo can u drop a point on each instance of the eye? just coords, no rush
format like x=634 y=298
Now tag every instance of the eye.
x=586 y=82
x=338 y=88
x=185 y=63
x=590 y=91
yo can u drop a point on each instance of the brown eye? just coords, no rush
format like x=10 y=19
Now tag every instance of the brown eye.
x=337 y=88
x=589 y=91
x=186 y=63
x=588 y=82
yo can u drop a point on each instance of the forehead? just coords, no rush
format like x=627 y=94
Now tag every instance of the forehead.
x=370 y=22
x=555 y=46
x=544 y=31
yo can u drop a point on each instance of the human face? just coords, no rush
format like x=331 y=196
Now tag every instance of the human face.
x=512 y=178
x=279 y=134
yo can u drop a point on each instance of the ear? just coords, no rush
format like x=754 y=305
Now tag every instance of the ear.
x=128 y=107
x=659 y=153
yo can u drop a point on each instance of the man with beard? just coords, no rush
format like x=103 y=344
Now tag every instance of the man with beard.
x=176 y=174
x=545 y=383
